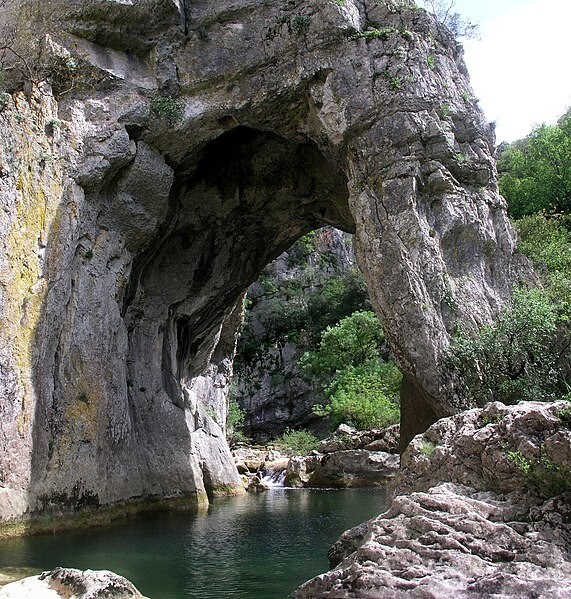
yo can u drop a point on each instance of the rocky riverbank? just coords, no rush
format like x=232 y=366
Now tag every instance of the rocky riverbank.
x=481 y=507
x=347 y=459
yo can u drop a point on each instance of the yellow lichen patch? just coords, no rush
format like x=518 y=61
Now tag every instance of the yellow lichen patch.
x=38 y=184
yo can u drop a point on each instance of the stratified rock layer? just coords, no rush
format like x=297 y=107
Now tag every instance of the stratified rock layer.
x=179 y=149
x=500 y=527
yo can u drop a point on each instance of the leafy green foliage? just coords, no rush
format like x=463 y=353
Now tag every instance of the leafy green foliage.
x=365 y=396
x=513 y=359
x=525 y=355
x=373 y=33
x=427 y=448
x=535 y=172
x=361 y=388
x=543 y=473
x=297 y=442
x=168 y=107
x=235 y=422
x=356 y=339
x=297 y=24
x=304 y=315
x=547 y=241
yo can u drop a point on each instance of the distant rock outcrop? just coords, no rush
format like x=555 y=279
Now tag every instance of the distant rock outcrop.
x=481 y=508
x=159 y=155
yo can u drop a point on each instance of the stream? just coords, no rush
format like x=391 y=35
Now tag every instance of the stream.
x=260 y=546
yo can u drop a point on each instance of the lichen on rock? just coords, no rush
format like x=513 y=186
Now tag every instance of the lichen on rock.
x=156 y=224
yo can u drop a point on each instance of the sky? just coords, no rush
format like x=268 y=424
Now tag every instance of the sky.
x=520 y=68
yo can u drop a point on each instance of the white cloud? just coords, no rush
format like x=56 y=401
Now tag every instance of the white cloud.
x=519 y=69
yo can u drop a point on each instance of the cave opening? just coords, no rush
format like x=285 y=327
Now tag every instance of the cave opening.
x=313 y=287
x=251 y=195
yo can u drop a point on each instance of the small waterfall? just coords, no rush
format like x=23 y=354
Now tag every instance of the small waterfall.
x=274 y=477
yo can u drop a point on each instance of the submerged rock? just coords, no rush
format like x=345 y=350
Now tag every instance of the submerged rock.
x=499 y=526
x=69 y=583
x=14 y=573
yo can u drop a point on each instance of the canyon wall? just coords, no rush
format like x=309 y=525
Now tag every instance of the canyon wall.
x=154 y=157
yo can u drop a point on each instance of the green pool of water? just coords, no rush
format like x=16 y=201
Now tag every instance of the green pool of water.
x=251 y=547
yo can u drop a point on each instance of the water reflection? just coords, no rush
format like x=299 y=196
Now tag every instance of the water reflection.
x=252 y=547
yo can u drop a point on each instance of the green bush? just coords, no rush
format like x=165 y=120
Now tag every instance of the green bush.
x=168 y=107
x=513 y=359
x=235 y=422
x=364 y=396
x=354 y=340
x=302 y=316
x=535 y=172
x=543 y=473
x=297 y=442
x=547 y=241
x=360 y=386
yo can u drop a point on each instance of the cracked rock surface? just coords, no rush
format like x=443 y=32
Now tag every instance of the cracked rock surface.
x=174 y=151
x=501 y=533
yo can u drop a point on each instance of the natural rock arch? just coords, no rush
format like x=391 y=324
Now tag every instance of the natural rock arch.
x=280 y=119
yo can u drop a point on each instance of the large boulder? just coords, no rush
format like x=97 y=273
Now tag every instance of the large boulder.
x=354 y=468
x=70 y=583
x=499 y=526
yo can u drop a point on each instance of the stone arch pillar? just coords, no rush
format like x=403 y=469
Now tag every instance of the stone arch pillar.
x=144 y=230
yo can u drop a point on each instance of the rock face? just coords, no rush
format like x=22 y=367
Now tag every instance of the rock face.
x=268 y=384
x=499 y=526
x=348 y=459
x=354 y=468
x=72 y=584
x=176 y=149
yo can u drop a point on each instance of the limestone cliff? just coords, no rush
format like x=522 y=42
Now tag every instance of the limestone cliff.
x=175 y=149
x=307 y=288
x=480 y=508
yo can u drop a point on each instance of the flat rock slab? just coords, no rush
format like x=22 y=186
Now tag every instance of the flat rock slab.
x=444 y=544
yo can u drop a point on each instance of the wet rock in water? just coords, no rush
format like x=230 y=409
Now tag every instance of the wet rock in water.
x=499 y=526
x=70 y=583
x=257 y=485
x=300 y=469
x=354 y=468
x=249 y=459
x=13 y=574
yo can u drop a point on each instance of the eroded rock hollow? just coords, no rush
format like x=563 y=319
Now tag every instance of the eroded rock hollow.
x=173 y=150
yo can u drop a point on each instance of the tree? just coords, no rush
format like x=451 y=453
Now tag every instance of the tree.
x=365 y=396
x=535 y=172
x=361 y=385
x=515 y=358
x=354 y=340
x=458 y=25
